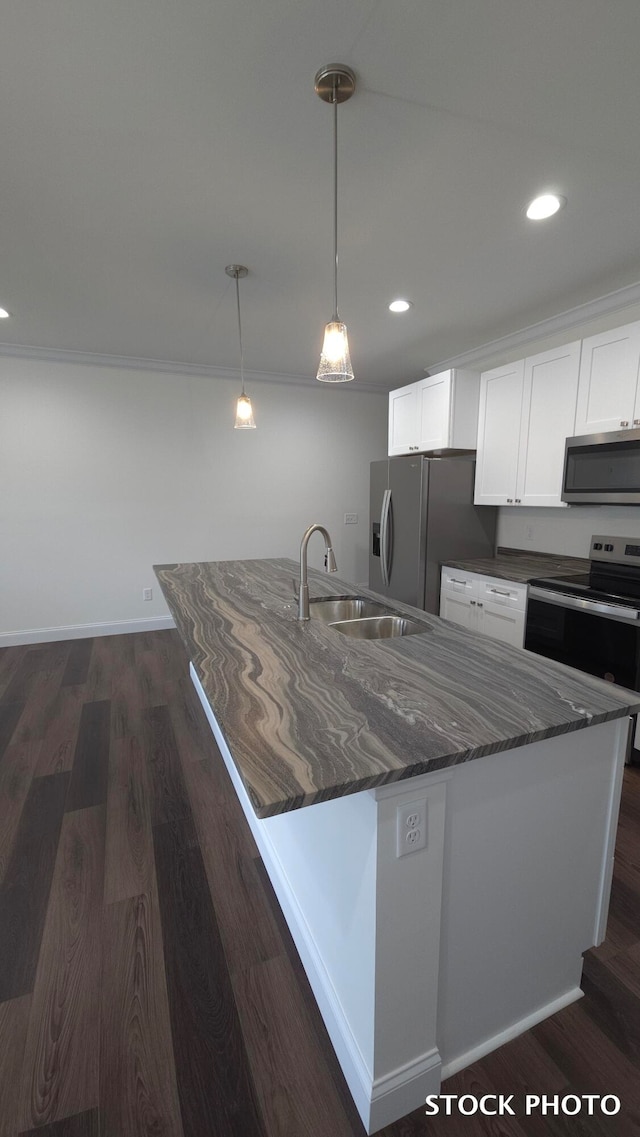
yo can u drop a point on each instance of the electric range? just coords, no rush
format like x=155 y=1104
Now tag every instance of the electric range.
x=591 y=621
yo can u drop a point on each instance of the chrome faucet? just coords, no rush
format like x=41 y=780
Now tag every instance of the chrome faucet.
x=302 y=593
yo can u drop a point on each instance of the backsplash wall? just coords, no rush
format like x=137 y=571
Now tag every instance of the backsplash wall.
x=566 y=531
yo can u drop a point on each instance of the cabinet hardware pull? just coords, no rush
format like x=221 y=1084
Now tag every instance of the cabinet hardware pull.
x=499 y=591
x=480 y=604
x=624 y=422
x=452 y=580
x=518 y=501
x=614 y=611
x=509 y=501
x=636 y=422
x=472 y=603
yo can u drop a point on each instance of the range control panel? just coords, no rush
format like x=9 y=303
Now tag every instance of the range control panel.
x=620 y=550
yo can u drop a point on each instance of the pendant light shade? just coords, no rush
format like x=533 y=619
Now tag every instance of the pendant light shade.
x=335 y=84
x=244 y=410
x=335 y=361
x=244 y=414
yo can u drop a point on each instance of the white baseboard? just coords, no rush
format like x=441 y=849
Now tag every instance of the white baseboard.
x=404 y=1090
x=511 y=1032
x=84 y=631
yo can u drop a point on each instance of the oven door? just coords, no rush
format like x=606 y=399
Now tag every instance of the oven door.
x=601 y=639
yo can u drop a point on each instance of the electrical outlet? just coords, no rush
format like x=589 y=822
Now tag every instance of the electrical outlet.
x=147 y=593
x=351 y=518
x=529 y=532
x=411 y=827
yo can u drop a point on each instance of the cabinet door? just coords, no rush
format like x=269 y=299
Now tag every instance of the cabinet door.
x=608 y=380
x=457 y=590
x=434 y=407
x=501 y=623
x=403 y=424
x=459 y=609
x=499 y=434
x=548 y=419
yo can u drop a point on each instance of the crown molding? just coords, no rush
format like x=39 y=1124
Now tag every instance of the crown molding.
x=170 y=367
x=609 y=304
x=605 y=305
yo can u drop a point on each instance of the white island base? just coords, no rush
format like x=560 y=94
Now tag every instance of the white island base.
x=422 y=964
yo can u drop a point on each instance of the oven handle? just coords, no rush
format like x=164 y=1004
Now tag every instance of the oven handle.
x=595 y=607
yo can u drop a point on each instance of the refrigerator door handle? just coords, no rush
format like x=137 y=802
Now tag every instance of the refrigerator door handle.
x=384 y=537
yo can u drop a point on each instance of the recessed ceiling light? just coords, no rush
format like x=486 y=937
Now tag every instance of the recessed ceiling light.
x=4 y=315
x=545 y=206
x=400 y=305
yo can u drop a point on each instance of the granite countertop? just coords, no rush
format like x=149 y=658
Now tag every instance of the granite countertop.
x=521 y=566
x=309 y=714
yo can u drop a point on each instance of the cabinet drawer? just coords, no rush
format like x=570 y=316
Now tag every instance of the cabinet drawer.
x=502 y=592
x=458 y=581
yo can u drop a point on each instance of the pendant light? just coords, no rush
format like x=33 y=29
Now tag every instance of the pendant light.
x=335 y=84
x=244 y=410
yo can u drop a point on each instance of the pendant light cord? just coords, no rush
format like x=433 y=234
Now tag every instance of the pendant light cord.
x=335 y=196
x=240 y=333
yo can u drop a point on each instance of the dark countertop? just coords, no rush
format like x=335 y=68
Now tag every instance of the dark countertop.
x=521 y=566
x=309 y=714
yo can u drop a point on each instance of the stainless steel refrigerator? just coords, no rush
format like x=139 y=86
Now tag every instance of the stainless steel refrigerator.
x=421 y=516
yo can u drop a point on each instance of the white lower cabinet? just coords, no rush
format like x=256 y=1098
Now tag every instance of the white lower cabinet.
x=484 y=604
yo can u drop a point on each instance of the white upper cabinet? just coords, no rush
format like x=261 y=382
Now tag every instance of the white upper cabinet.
x=548 y=419
x=608 y=395
x=403 y=413
x=527 y=410
x=499 y=418
x=435 y=414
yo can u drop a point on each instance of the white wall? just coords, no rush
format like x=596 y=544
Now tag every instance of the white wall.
x=567 y=531
x=107 y=471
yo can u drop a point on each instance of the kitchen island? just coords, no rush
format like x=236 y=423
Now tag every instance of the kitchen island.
x=507 y=766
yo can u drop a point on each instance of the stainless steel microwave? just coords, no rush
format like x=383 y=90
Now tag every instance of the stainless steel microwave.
x=603 y=468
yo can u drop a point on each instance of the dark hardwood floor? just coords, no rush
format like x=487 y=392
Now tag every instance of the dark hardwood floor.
x=148 y=983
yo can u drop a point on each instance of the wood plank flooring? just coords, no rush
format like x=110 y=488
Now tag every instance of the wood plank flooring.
x=148 y=984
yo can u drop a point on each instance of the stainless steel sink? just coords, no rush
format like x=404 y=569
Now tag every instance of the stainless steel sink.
x=378 y=627
x=361 y=618
x=330 y=608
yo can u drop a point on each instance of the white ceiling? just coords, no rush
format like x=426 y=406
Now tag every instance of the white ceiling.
x=146 y=145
